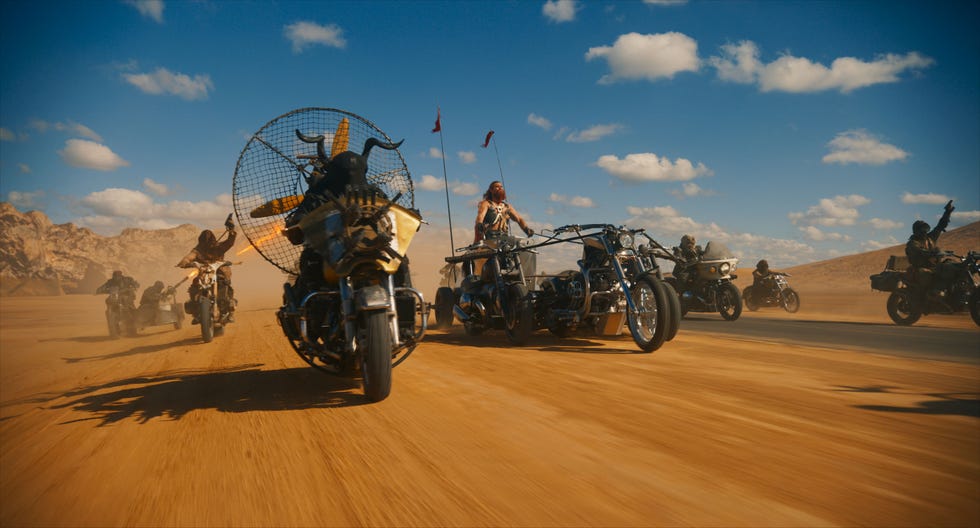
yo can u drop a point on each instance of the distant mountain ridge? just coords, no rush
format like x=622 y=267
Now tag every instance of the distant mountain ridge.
x=38 y=257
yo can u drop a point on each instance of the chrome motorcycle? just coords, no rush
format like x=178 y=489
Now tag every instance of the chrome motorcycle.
x=210 y=308
x=908 y=301
x=710 y=287
x=617 y=284
x=493 y=293
x=774 y=291
x=350 y=308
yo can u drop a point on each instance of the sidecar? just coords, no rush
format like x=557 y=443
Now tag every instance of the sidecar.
x=165 y=312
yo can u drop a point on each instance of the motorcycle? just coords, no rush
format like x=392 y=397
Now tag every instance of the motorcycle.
x=774 y=291
x=119 y=312
x=617 y=284
x=907 y=301
x=351 y=307
x=711 y=288
x=166 y=311
x=493 y=293
x=212 y=307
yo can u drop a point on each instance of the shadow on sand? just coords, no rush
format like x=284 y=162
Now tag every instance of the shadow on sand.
x=955 y=404
x=237 y=389
x=144 y=349
x=540 y=341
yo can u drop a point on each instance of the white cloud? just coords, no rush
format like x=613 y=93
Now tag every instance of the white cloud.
x=116 y=208
x=647 y=57
x=881 y=223
x=152 y=9
x=965 y=217
x=304 y=34
x=91 y=155
x=929 y=198
x=559 y=11
x=539 y=121
x=872 y=245
x=24 y=168
x=25 y=201
x=593 y=133
x=158 y=189
x=690 y=190
x=830 y=212
x=165 y=82
x=812 y=233
x=431 y=183
x=435 y=153
x=574 y=201
x=7 y=135
x=71 y=127
x=466 y=156
x=464 y=189
x=857 y=146
x=740 y=63
x=650 y=167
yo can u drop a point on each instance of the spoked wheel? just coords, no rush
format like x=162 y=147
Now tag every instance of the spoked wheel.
x=518 y=315
x=376 y=355
x=791 y=300
x=903 y=309
x=729 y=302
x=445 y=299
x=648 y=323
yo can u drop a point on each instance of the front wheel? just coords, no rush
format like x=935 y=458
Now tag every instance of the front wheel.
x=750 y=301
x=791 y=300
x=648 y=323
x=113 y=321
x=518 y=315
x=674 y=305
x=903 y=309
x=729 y=301
x=975 y=306
x=444 y=307
x=376 y=355
x=207 y=322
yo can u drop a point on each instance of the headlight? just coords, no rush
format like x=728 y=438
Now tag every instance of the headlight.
x=625 y=240
x=725 y=268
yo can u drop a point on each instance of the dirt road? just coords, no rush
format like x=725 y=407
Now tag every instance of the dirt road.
x=163 y=430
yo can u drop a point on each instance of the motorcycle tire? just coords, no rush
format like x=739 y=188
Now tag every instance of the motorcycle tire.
x=518 y=317
x=376 y=355
x=729 y=301
x=791 y=300
x=112 y=320
x=672 y=283
x=646 y=338
x=975 y=307
x=749 y=300
x=445 y=299
x=674 y=303
x=903 y=310
x=205 y=317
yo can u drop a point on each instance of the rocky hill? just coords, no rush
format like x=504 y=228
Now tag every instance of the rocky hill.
x=41 y=258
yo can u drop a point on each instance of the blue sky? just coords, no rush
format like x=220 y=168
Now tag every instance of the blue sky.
x=794 y=131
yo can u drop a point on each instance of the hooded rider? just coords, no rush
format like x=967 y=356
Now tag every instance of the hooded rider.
x=126 y=285
x=207 y=251
x=923 y=253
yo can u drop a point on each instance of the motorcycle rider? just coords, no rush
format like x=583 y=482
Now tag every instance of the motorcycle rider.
x=762 y=278
x=924 y=256
x=207 y=251
x=688 y=255
x=127 y=288
x=493 y=214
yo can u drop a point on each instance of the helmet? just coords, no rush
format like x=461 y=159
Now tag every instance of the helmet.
x=206 y=238
x=920 y=228
x=762 y=265
x=117 y=274
x=688 y=240
x=158 y=284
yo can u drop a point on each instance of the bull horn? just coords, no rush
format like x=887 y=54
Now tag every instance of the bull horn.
x=321 y=151
x=375 y=142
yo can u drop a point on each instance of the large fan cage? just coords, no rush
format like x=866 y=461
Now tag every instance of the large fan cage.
x=270 y=167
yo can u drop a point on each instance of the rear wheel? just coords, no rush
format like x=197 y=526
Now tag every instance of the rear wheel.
x=903 y=309
x=518 y=316
x=791 y=300
x=649 y=321
x=729 y=301
x=376 y=355
x=444 y=307
x=204 y=315
x=750 y=302
x=975 y=306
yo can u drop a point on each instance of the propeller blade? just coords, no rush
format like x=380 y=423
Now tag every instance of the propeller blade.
x=341 y=138
x=276 y=206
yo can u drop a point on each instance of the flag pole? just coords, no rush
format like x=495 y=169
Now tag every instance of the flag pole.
x=445 y=179
x=498 y=162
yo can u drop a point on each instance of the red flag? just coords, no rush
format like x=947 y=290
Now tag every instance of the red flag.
x=487 y=141
x=438 y=125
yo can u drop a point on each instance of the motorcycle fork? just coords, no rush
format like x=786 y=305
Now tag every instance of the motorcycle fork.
x=624 y=284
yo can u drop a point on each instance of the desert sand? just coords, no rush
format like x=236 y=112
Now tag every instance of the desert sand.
x=164 y=430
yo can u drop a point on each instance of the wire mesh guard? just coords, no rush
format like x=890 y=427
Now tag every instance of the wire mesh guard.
x=270 y=169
